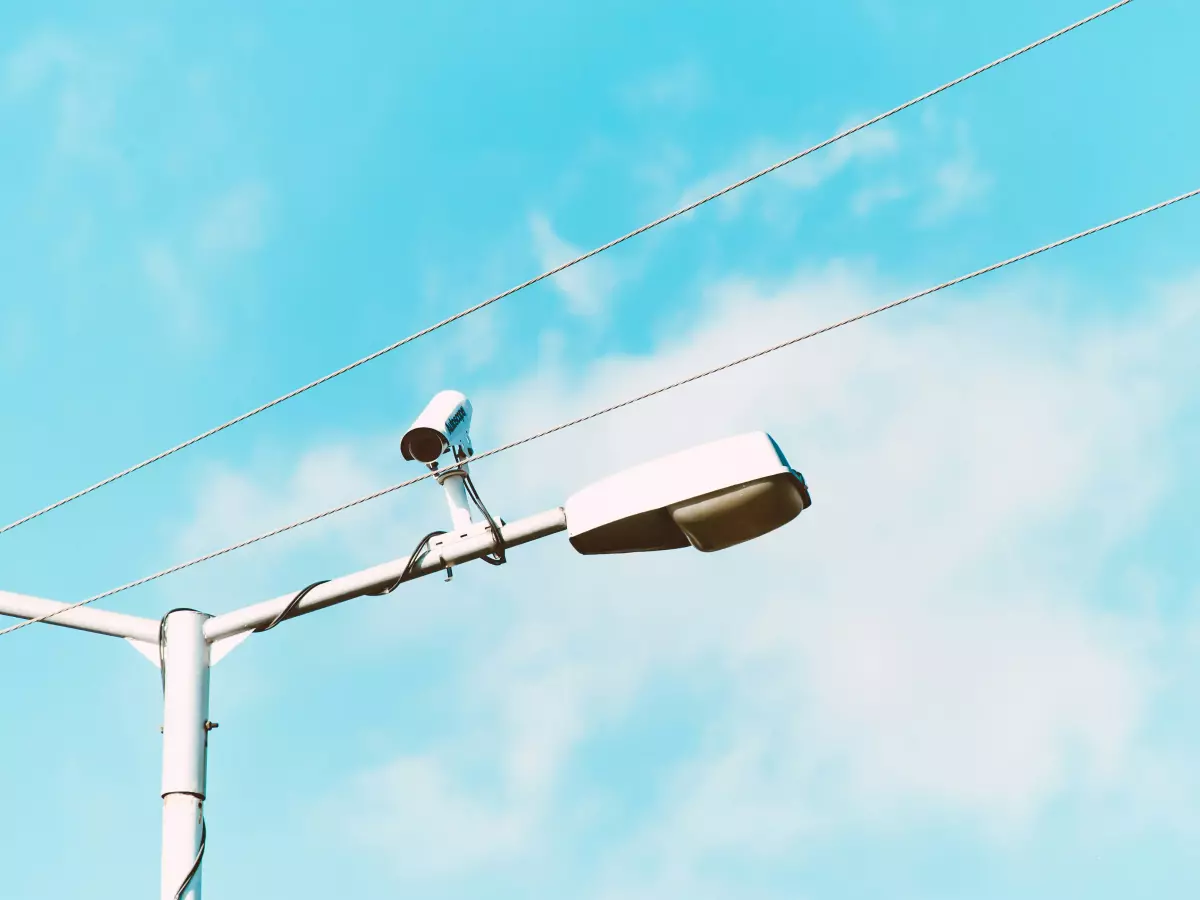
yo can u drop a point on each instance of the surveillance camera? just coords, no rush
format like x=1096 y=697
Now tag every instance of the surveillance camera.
x=444 y=424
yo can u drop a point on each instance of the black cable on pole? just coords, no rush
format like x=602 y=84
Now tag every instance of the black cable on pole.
x=199 y=858
x=497 y=557
x=291 y=607
x=288 y=610
x=412 y=561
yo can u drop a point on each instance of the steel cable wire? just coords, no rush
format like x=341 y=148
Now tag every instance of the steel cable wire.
x=841 y=135
x=562 y=426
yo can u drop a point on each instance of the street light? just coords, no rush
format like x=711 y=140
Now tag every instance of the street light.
x=713 y=496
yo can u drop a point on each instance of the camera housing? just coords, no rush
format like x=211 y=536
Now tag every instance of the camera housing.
x=443 y=426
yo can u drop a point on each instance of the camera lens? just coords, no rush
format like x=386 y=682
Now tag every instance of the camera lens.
x=424 y=444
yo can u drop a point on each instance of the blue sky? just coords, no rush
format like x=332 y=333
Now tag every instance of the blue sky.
x=967 y=672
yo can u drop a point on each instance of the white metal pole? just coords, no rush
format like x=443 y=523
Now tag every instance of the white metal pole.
x=185 y=751
x=358 y=584
x=187 y=654
x=84 y=618
x=454 y=485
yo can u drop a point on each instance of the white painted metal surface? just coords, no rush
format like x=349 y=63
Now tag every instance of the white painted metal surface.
x=455 y=488
x=631 y=510
x=82 y=618
x=185 y=748
x=192 y=641
x=443 y=426
x=367 y=581
x=182 y=827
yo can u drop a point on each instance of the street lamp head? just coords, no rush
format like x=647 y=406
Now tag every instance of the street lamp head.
x=444 y=425
x=711 y=497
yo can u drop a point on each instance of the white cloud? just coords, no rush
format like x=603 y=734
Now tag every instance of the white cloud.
x=679 y=88
x=93 y=93
x=454 y=832
x=935 y=167
x=17 y=340
x=234 y=222
x=951 y=179
x=954 y=186
x=805 y=174
x=84 y=88
x=936 y=676
x=454 y=827
x=180 y=272
x=36 y=59
x=587 y=286
x=869 y=198
x=233 y=503
x=922 y=645
x=170 y=285
x=940 y=174
x=815 y=170
x=977 y=704
x=914 y=650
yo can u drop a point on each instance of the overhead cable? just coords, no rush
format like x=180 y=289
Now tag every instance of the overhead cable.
x=624 y=403
x=841 y=135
